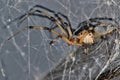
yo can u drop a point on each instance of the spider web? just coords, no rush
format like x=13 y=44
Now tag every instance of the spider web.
x=28 y=55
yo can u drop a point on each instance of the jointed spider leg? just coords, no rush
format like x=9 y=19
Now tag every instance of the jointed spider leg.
x=42 y=7
x=92 y=23
x=65 y=27
x=57 y=15
x=97 y=20
x=54 y=40
x=102 y=18
x=54 y=13
x=104 y=34
x=45 y=15
x=63 y=37
x=12 y=36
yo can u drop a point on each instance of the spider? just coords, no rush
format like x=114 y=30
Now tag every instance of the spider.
x=85 y=33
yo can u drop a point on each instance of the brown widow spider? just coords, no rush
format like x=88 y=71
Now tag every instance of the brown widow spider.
x=85 y=33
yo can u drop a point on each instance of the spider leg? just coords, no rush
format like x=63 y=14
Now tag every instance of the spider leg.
x=94 y=22
x=64 y=16
x=58 y=14
x=69 y=31
x=97 y=20
x=59 y=21
x=54 y=40
x=66 y=25
x=4 y=42
x=54 y=13
x=63 y=37
x=104 y=34
x=42 y=7
x=102 y=18
x=45 y=15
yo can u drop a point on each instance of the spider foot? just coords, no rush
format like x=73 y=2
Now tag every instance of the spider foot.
x=51 y=42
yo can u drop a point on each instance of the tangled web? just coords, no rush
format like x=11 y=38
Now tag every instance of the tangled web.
x=28 y=55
